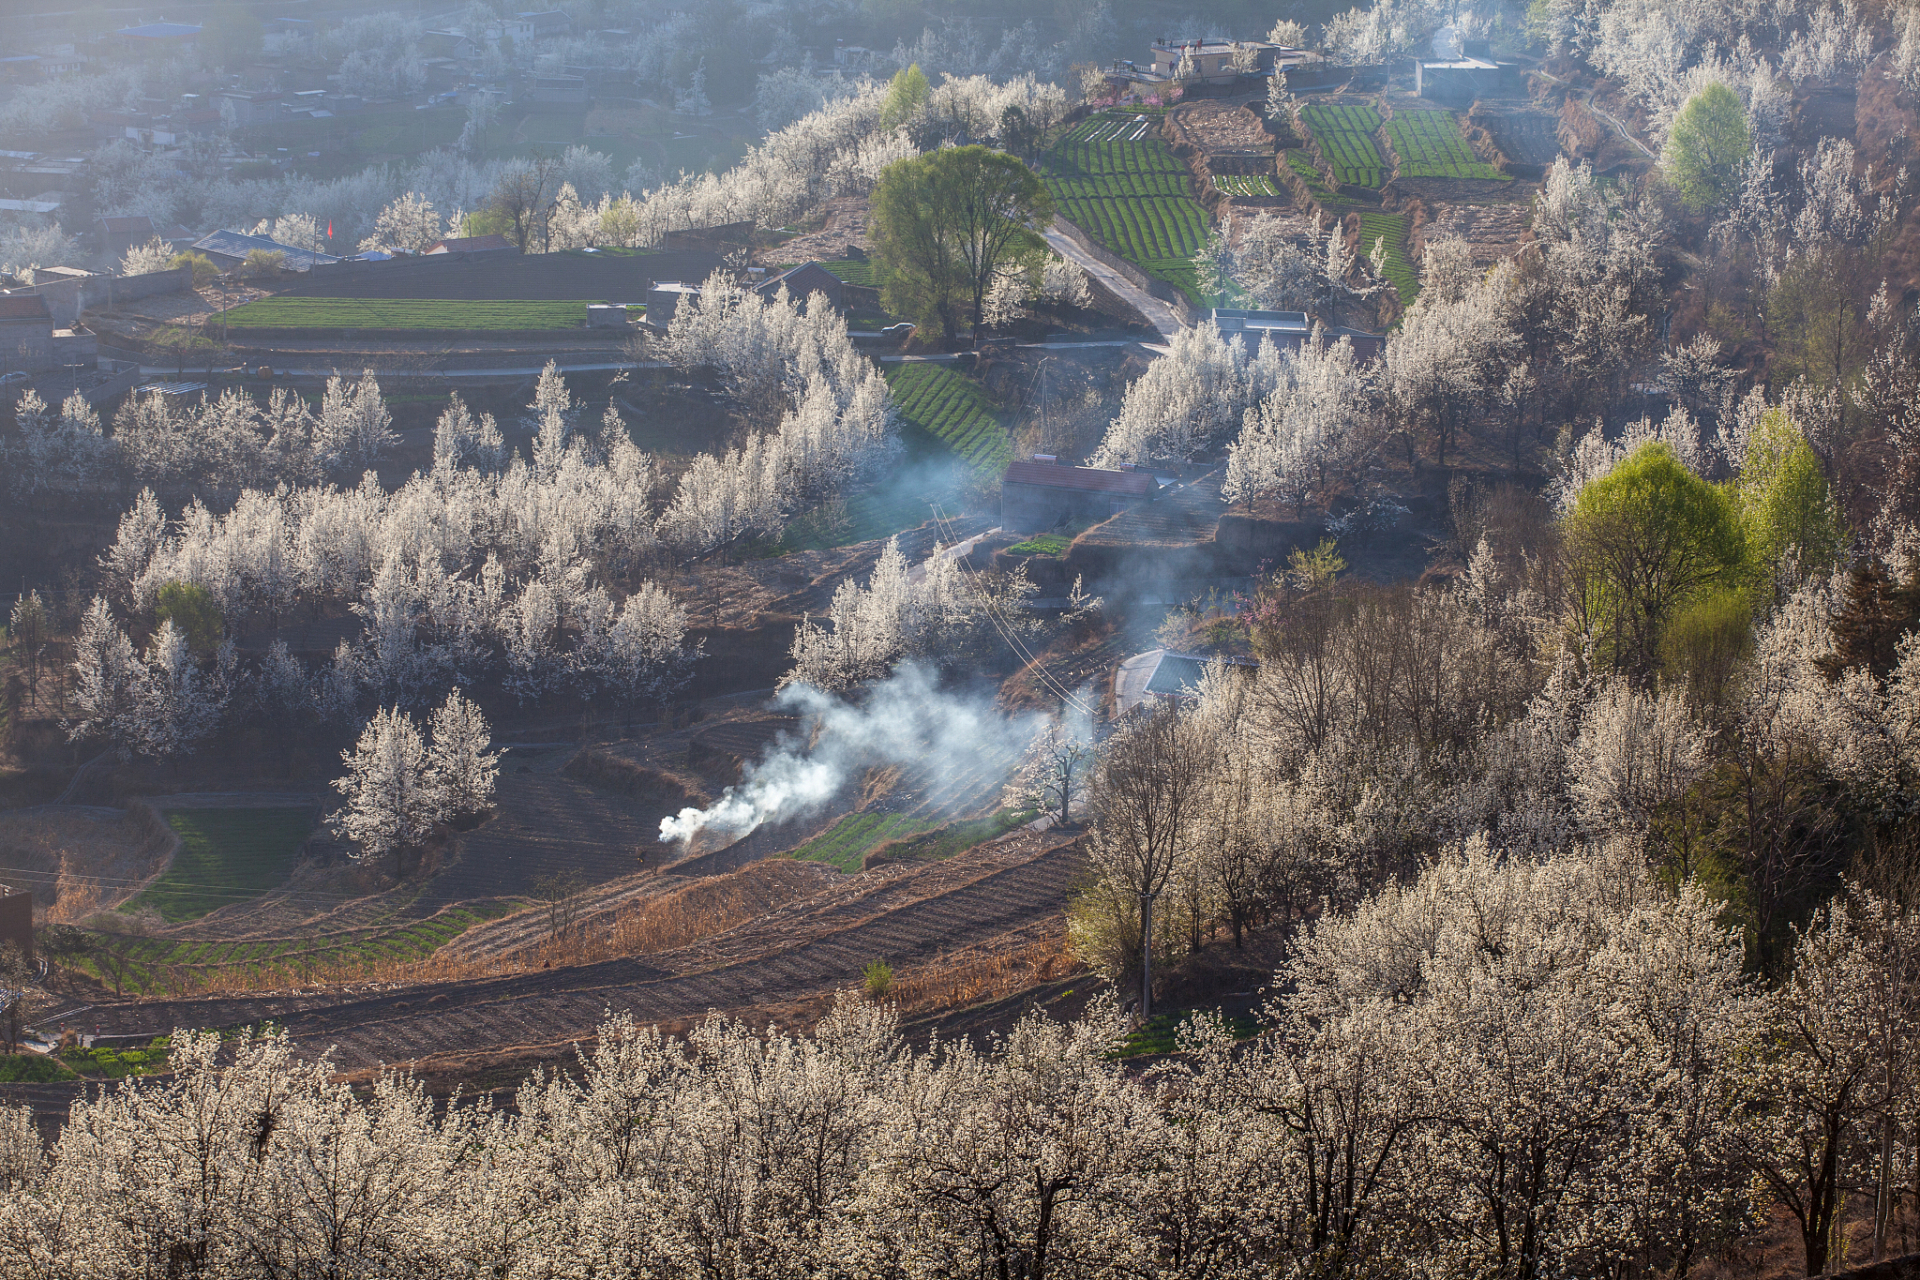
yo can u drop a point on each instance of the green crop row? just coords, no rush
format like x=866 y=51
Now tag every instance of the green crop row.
x=1428 y=145
x=1240 y=184
x=950 y=407
x=1345 y=137
x=845 y=844
x=1398 y=267
x=403 y=313
x=1132 y=195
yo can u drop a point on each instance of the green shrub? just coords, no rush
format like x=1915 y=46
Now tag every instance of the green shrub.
x=879 y=977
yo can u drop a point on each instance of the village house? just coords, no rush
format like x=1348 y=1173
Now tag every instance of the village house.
x=1042 y=493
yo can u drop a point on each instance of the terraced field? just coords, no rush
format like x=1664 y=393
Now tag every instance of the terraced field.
x=1398 y=267
x=1003 y=893
x=1246 y=184
x=157 y=964
x=402 y=314
x=1427 y=144
x=226 y=856
x=1115 y=177
x=951 y=408
x=1344 y=133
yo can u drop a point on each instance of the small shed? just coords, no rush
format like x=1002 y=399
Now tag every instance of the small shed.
x=229 y=249
x=664 y=298
x=1041 y=494
x=804 y=281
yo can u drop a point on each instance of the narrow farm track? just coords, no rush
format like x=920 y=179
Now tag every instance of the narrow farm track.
x=905 y=915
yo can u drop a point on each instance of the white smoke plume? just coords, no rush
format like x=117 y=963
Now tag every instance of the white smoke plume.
x=905 y=720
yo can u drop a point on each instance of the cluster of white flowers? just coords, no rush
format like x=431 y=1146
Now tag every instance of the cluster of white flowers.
x=835 y=415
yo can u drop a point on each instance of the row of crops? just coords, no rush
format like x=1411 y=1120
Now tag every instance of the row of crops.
x=1128 y=128
x=950 y=407
x=1126 y=189
x=1428 y=144
x=1397 y=267
x=1241 y=184
x=1344 y=132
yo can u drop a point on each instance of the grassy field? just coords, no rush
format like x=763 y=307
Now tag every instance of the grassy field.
x=1345 y=136
x=846 y=842
x=404 y=313
x=226 y=855
x=1114 y=176
x=1161 y=1034
x=1246 y=184
x=1398 y=267
x=1428 y=145
x=1044 y=544
x=950 y=407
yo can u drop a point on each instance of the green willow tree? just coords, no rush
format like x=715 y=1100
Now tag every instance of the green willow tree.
x=946 y=224
x=1707 y=147
x=1644 y=542
x=907 y=95
x=1784 y=504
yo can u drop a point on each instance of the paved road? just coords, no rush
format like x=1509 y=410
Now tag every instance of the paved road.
x=1158 y=314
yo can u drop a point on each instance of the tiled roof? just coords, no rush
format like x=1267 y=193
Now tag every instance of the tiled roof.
x=1087 y=479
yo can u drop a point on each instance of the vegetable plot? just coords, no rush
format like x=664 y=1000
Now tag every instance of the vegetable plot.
x=1428 y=144
x=1398 y=267
x=1239 y=184
x=1115 y=177
x=1345 y=135
x=951 y=408
x=403 y=313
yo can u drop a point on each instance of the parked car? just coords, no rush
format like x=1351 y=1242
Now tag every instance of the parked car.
x=14 y=379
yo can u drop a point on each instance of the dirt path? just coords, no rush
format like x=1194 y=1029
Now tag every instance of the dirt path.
x=1004 y=890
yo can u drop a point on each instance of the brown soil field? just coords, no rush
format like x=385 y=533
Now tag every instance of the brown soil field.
x=845 y=229
x=786 y=965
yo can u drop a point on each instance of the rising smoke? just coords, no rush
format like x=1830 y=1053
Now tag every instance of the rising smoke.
x=906 y=720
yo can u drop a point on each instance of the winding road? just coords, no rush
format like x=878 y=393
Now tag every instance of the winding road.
x=1158 y=314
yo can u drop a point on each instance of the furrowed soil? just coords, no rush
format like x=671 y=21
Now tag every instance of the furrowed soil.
x=784 y=965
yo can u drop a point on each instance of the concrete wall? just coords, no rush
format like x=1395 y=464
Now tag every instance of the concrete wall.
x=16 y=921
x=68 y=298
x=26 y=346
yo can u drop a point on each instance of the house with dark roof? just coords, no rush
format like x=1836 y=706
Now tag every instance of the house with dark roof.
x=804 y=281
x=117 y=235
x=1041 y=494
x=228 y=249
x=494 y=243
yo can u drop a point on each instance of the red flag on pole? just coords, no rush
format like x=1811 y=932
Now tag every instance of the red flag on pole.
x=329 y=228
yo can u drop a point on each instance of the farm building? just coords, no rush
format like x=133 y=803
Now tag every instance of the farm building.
x=1162 y=673
x=1289 y=329
x=250 y=108
x=117 y=235
x=539 y=26
x=26 y=334
x=1214 y=60
x=1042 y=494
x=804 y=281
x=1459 y=81
x=16 y=920
x=493 y=243
x=664 y=298
x=228 y=249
